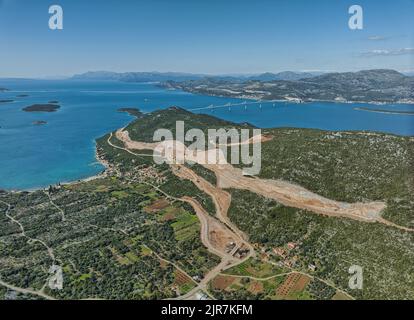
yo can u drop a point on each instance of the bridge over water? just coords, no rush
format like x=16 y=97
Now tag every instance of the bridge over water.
x=239 y=104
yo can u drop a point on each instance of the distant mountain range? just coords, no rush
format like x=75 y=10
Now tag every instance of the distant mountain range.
x=285 y=75
x=379 y=85
x=137 y=76
x=177 y=76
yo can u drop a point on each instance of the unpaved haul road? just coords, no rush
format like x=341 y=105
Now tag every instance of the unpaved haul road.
x=221 y=198
x=296 y=196
x=207 y=224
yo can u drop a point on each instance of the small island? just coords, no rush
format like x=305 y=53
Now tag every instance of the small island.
x=53 y=102
x=135 y=112
x=39 y=123
x=22 y=95
x=46 y=107
x=6 y=101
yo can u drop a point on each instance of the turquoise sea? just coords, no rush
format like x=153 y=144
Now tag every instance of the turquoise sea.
x=63 y=150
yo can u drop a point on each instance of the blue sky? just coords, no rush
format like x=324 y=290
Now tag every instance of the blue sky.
x=204 y=36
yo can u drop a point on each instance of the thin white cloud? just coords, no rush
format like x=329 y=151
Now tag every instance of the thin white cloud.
x=377 y=38
x=385 y=52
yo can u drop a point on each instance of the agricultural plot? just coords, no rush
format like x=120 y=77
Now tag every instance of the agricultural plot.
x=237 y=287
x=185 y=226
x=293 y=287
x=283 y=287
x=255 y=268
x=183 y=282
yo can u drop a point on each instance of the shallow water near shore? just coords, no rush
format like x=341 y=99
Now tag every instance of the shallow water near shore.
x=63 y=149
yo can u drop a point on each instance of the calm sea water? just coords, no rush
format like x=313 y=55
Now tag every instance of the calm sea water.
x=63 y=150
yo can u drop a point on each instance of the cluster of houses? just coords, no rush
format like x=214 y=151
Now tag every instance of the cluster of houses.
x=285 y=255
x=148 y=173
x=241 y=253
